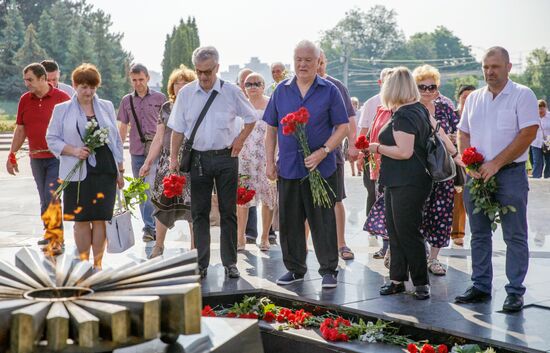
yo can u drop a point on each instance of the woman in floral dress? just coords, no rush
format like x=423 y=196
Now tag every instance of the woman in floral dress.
x=252 y=162
x=438 y=212
x=168 y=211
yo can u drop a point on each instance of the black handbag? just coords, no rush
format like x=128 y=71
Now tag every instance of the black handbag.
x=460 y=178
x=545 y=143
x=439 y=163
x=187 y=151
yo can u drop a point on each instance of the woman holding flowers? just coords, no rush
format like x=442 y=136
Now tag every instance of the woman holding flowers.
x=83 y=134
x=252 y=164
x=168 y=210
x=438 y=213
x=402 y=144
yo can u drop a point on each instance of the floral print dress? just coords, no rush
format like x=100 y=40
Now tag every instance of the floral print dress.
x=252 y=163
x=438 y=209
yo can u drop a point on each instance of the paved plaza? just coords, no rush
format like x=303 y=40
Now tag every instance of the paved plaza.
x=359 y=280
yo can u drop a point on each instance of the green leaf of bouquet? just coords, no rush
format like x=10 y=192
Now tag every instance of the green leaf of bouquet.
x=477 y=210
x=512 y=208
x=493 y=226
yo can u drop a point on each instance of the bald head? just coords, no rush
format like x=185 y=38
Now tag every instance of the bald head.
x=242 y=76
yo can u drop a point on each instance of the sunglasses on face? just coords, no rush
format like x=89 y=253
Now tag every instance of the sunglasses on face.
x=427 y=88
x=253 y=84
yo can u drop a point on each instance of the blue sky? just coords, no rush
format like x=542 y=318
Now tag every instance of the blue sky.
x=269 y=29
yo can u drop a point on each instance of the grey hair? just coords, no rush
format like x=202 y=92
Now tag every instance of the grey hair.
x=385 y=71
x=278 y=63
x=307 y=44
x=244 y=72
x=137 y=68
x=497 y=50
x=204 y=53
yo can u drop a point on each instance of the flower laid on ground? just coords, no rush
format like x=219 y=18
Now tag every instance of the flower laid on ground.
x=483 y=193
x=207 y=311
x=135 y=192
x=93 y=139
x=295 y=124
x=173 y=185
x=471 y=348
x=245 y=194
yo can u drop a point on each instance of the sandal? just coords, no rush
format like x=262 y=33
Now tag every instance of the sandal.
x=435 y=267
x=379 y=254
x=264 y=246
x=157 y=251
x=387 y=259
x=346 y=253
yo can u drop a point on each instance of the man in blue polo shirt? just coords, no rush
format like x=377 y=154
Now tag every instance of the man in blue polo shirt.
x=327 y=127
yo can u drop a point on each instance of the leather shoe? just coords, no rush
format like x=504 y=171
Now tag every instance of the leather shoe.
x=203 y=272
x=513 y=303
x=472 y=295
x=422 y=292
x=392 y=288
x=232 y=272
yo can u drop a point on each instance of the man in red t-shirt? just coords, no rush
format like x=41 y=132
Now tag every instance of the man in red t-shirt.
x=33 y=116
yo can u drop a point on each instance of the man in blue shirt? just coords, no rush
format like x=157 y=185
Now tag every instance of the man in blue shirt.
x=327 y=127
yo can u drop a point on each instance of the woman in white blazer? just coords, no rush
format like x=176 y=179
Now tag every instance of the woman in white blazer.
x=90 y=196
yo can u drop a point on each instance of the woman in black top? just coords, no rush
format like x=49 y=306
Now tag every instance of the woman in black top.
x=407 y=185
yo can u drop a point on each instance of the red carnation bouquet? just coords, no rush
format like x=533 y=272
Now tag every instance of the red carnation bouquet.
x=363 y=144
x=483 y=193
x=295 y=124
x=173 y=185
x=427 y=348
x=245 y=194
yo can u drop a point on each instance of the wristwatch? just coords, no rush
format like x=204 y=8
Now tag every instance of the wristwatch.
x=326 y=149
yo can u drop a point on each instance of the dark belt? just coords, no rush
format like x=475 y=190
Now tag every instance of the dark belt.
x=513 y=165
x=222 y=152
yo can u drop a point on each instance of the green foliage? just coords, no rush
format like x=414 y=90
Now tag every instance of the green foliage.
x=451 y=87
x=7 y=126
x=537 y=74
x=135 y=194
x=30 y=51
x=178 y=48
x=11 y=39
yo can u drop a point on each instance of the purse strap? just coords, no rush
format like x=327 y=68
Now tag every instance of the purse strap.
x=138 y=125
x=189 y=142
x=120 y=200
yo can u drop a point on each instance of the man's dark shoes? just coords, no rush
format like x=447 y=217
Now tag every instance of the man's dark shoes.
x=272 y=241
x=392 y=288
x=203 y=272
x=289 y=277
x=329 y=281
x=472 y=295
x=232 y=272
x=513 y=303
x=422 y=292
x=250 y=240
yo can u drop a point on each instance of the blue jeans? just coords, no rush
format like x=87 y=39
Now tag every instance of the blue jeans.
x=45 y=172
x=513 y=188
x=146 y=209
x=540 y=161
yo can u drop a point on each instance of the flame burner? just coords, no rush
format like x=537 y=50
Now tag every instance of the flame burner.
x=65 y=306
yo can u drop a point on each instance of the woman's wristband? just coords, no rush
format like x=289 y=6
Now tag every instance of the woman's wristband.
x=454 y=154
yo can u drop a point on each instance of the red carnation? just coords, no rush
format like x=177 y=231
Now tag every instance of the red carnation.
x=269 y=317
x=231 y=314
x=471 y=157
x=426 y=348
x=173 y=185
x=362 y=143
x=289 y=129
x=244 y=195
x=412 y=348
x=207 y=311
x=442 y=349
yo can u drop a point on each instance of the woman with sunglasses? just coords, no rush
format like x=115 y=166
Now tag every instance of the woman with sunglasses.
x=438 y=211
x=252 y=164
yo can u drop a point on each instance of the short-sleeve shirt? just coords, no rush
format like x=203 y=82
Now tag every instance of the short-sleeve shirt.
x=327 y=110
x=369 y=112
x=349 y=108
x=222 y=123
x=412 y=119
x=34 y=114
x=147 y=111
x=66 y=88
x=493 y=123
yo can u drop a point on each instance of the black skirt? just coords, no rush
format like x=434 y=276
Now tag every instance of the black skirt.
x=96 y=197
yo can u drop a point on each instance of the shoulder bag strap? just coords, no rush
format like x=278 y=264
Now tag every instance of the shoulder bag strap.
x=189 y=143
x=141 y=137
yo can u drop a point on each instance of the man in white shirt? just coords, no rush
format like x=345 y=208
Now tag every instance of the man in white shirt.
x=53 y=74
x=540 y=159
x=501 y=121
x=218 y=141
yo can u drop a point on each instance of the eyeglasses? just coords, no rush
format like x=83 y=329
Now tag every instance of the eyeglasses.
x=429 y=88
x=253 y=84
x=206 y=72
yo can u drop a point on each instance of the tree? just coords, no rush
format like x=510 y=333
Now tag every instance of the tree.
x=178 y=48
x=11 y=39
x=30 y=9
x=30 y=51
x=537 y=73
x=80 y=48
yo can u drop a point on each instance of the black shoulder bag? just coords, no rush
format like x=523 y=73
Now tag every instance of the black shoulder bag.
x=186 y=157
x=439 y=163
x=146 y=139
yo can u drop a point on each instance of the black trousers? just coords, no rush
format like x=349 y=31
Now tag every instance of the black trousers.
x=404 y=206
x=295 y=206
x=370 y=185
x=207 y=169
